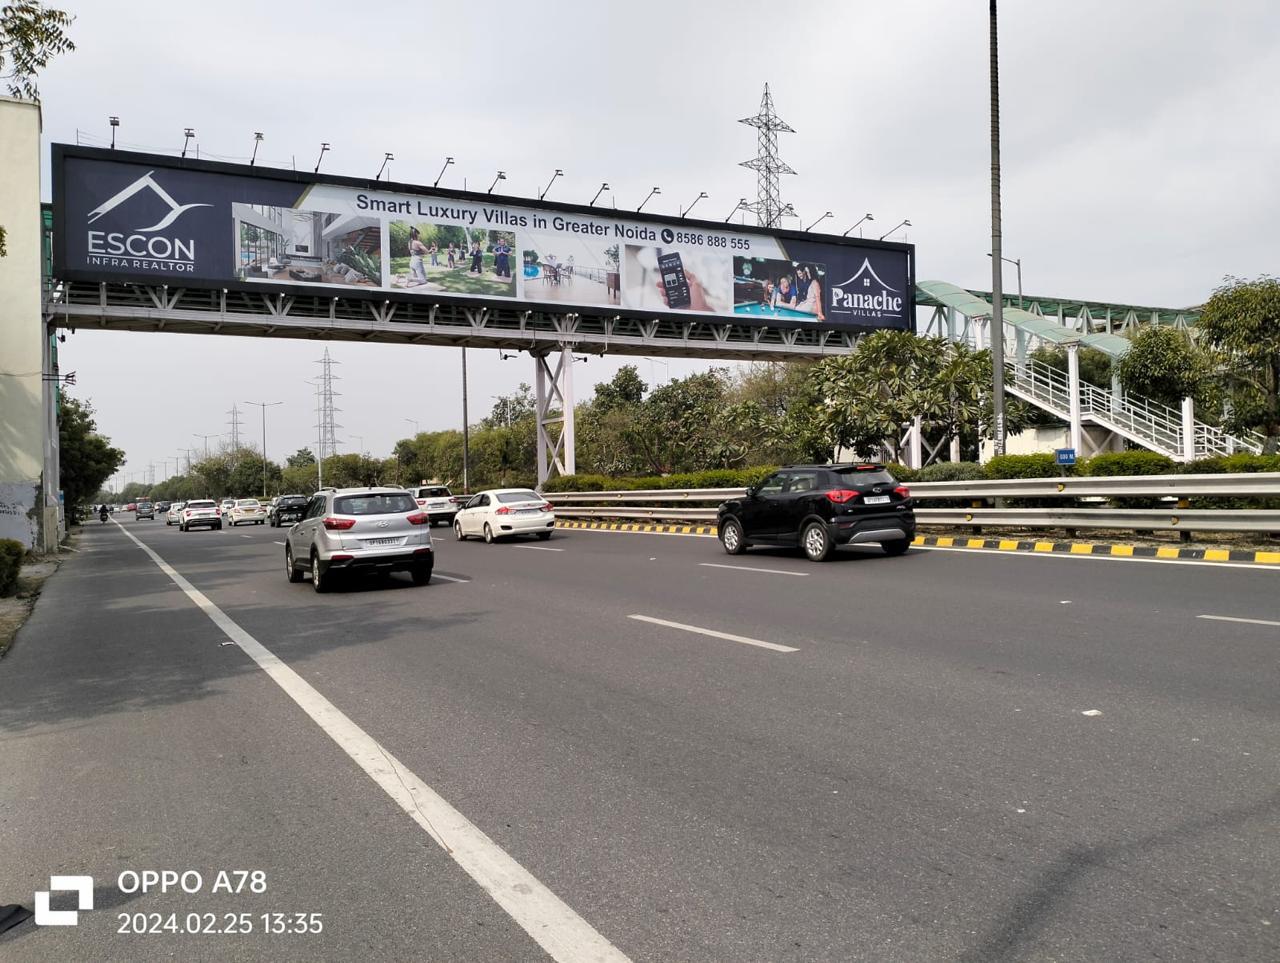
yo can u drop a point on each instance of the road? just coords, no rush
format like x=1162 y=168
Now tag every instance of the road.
x=943 y=756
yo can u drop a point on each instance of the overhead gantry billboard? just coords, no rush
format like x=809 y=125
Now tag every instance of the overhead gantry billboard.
x=150 y=219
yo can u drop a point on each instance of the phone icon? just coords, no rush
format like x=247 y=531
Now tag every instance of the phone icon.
x=674 y=282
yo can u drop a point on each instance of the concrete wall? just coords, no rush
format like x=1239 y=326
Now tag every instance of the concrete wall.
x=23 y=342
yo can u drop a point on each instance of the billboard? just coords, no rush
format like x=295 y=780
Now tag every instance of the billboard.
x=154 y=219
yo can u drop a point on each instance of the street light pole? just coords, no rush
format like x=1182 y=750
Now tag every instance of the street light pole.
x=466 y=430
x=264 y=405
x=997 y=258
x=1017 y=263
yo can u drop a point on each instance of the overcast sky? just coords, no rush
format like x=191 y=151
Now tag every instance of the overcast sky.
x=1140 y=143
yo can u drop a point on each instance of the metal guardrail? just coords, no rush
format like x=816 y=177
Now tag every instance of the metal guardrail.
x=681 y=505
x=1187 y=486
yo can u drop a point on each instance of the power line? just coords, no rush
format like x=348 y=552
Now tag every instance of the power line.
x=768 y=206
x=235 y=427
x=326 y=426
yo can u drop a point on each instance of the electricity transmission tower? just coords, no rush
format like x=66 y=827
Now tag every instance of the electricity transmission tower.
x=326 y=428
x=235 y=427
x=768 y=206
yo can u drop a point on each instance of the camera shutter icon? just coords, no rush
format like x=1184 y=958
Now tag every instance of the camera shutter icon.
x=82 y=886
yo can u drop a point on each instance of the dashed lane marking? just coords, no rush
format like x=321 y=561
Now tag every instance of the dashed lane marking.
x=713 y=633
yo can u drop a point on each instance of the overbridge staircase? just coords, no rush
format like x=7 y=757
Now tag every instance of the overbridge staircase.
x=1146 y=423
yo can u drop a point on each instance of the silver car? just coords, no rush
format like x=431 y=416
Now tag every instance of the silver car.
x=371 y=530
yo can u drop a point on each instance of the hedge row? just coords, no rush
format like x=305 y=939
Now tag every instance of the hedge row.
x=11 y=553
x=1004 y=466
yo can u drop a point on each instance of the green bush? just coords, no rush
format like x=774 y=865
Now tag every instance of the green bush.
x=1111 y=463
x=11 y=554
x=901 y=472
x=950 y=471
x=1040 y=465
x=714 y=478
x=1239 y=462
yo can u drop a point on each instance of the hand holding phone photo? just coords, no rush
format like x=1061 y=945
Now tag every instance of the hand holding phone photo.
x=675 y=285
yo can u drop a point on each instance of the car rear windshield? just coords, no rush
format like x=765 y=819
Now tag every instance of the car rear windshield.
x=248 y=503
x=393 y=503
x=433 y=493
x=866 y=476
x=292 y=500
x=200 y=505
x=519 y=497
x=144 y=504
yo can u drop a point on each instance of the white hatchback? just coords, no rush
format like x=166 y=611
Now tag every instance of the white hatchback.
x=246 y=510
x=500 y=512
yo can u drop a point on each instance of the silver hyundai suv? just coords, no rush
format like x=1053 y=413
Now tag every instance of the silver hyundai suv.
x=367 y=530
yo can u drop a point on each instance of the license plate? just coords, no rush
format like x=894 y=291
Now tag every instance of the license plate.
x=382 y=541
x=877 y=499
x=529 y=511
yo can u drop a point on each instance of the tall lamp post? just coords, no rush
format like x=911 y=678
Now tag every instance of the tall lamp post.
x=997 y=257
x=1016 y=262
x=264 y=405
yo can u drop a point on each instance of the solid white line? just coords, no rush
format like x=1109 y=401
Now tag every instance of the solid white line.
x=449 y=578
x=714 y=634
x=1231 y=618
x=1254 y=566
x=539 y=548
x=552 y=923
x=279 y=543
x=246 y=536
x=748 y=568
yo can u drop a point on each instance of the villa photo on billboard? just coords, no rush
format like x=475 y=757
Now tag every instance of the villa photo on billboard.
x=777 y=288
x=569 y=268
x=313 y=247
x=428 y=258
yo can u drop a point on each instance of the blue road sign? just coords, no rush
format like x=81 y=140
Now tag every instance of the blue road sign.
x=1065 y=456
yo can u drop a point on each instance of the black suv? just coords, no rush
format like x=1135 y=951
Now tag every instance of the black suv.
x=818 y=507
x=287 y=510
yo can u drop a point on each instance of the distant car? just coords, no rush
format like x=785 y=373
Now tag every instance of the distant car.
x=144 y=510
x=162 y=507
x=501 y=512
x=359 y=530
x=225 y=505
x=248 y=510
x=202 y=513
x=287 y=510
x=174 y=515
x=131 y=507
x=437 y=501
x=818 y=507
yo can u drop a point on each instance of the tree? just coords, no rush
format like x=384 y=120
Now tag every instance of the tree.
x=1162 y=364
x=87 y=459
x=1241 y=322
x=1095 y=365
x=626 y=388
x=301 y=458
x=31 y=35
x=512 y=408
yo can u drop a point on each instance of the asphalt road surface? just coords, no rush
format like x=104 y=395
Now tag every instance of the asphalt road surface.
x=619 y=746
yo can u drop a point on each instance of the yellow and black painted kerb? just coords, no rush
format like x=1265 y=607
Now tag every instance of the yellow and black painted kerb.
x=1104 y=549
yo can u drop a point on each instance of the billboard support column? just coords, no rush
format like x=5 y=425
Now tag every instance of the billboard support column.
x=553 y=393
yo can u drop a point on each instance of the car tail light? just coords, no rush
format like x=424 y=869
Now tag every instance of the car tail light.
x=548 y=507
x=420 y=501
x=502 y=510
x=417 y=518
x=842 y=495
x=338 y=524
x=904 y=491
x=454 y=499
x=341 y=558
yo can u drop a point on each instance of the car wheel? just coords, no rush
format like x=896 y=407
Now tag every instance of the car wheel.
x=731 y=537
x=897 y=546
x=218 y=526
x=181 y=527
x=816 y=542
x=421 y=575
x=319 y=581
x=488 y=534
x=457 y=532
x=544 y=535
x=290 y=567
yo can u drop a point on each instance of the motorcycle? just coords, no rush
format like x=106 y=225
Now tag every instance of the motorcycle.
x=102 y=517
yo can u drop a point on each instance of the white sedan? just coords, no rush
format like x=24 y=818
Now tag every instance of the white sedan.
x=174 y=515
x=500 y=512
x=246 y=510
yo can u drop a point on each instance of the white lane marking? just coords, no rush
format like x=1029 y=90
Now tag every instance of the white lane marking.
x=449 y=578
x=714 y=634
x=539 y=548
x=1254 y=566
x=1091 y=712
x=748 y=568
x=551 y=922
x=1232 y=618
x=246 y=536
x=279 y=543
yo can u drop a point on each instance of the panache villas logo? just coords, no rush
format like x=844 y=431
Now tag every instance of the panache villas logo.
x=865 y=294
x=142 y=248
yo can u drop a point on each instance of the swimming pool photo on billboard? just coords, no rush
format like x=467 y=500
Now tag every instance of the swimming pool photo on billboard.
x=779 y=288
x=426 y=257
